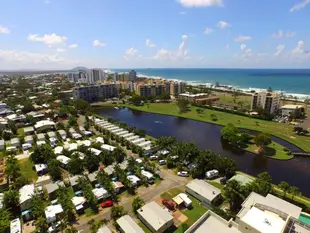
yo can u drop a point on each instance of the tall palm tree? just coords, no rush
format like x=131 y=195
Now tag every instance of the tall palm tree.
x=285 y=187
x=137 y=203
x=294 y=191
x=235 y=193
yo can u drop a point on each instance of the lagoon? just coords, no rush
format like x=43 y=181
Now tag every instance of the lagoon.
x=208 y=136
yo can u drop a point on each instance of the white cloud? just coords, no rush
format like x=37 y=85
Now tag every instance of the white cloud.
x=4 y=30
x=130 y=53
x=208 y=31
x=281 y=34
x=183 y=12
x=243 y=38
x=181 y=53
x=245 y=51
x=280 y=49
x=149 y=44
x=14 y=59
x=97 y=43
x=48 y=39
x=73 y=46
x=300 y=5
x=300 y=49
x=227 y=46
x=200 y=3
x=60 y=50
x=222 y=24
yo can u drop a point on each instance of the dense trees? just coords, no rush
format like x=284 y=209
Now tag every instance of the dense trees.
x=183 y=105
x=11 y=201
x=262 y=184
x=5 y=220
x=262 y=140
x=285 y=187
x=54 y=169
x=86 y=187
x=63 y=197
x=12 y=168
x=236 y=194
x=75 y=165
x=235 y=137
x=42 y=154
x=81 y=105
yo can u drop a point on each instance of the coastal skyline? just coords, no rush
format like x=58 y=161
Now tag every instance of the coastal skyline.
x=144 y=34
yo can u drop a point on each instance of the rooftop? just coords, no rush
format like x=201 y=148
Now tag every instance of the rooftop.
x=292 y=106
x=264 y=221
x=155 y=215
x=26 y=193
x=128 y=225
x=204 y=189
x=211 y=222
x=104 y=229
x=243 y=179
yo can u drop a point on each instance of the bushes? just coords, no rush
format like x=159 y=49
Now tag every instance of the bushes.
x=213 y=117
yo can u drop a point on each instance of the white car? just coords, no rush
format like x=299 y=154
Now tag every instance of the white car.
x=153 y=157
x=161 y=162
x=54 y=227
x=183 y=174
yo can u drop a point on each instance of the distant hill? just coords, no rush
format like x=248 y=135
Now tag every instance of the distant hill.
x=80 y=68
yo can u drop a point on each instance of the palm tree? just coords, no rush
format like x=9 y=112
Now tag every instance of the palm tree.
x=285 y=187
x=94 y=225
x=41 y=224
x=294 y=191
x=11 y=201
x=117 y=212
x=131 y=163
x=137 y=203
x=235 y=193
x=5 y=220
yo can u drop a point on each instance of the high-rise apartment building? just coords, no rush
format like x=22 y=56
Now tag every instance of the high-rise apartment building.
x=148 y=90
x=270 y=101
x=176 y=88
x=132 y=76
x=95 y=92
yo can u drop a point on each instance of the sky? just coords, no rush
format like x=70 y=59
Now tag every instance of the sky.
x=63 y=34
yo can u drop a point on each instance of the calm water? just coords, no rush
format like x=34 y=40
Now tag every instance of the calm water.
x=207 y=136
x=292 y=81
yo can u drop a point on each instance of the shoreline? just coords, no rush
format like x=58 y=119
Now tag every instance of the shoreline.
x=299 y=144
x=301 y=97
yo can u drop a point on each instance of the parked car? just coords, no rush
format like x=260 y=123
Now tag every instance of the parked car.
x=153 y=157
x=107 y=203
x=212 y=174
x=223 y=180
x=183 y=174
x=54 y=227
x=162 y=162
x=168 y=204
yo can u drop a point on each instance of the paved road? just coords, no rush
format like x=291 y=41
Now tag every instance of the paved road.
x=147 y=194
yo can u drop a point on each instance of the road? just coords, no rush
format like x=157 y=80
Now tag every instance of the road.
x=146 y=193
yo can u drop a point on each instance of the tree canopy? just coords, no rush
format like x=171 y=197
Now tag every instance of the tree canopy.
x=42 y=154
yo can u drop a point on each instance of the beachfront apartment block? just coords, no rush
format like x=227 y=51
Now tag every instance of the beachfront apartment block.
x=270 y=101
x=95 y=92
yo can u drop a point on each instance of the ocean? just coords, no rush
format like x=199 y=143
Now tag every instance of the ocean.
x=290 y=81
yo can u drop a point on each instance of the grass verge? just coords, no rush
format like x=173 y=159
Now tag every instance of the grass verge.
x=26 y=166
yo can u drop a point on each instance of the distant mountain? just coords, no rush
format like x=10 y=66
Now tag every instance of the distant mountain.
x=80 y=68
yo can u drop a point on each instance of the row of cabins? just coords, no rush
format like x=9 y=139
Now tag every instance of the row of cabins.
x=131 y=137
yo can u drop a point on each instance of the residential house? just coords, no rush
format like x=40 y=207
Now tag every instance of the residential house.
x=204 y=192
x=41 y=169
x=15 y=142
x=28 y=130
x=100 y=193
x=52 y=211
x=51 y=188
x=29 y=139
x=25 y=195
x=44 y=125
x=155 y=217
x=64 y=160
x=2 y=144
x=127 y=225
x=63 y=134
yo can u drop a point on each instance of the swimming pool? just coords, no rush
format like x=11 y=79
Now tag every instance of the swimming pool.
x=304 y=219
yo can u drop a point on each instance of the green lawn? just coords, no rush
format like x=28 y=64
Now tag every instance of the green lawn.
x=193 y=214
x=283 y=131
x=274 y=151
x=217 y=185
x=26 y=169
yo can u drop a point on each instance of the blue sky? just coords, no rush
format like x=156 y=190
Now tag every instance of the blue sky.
x=61 y=34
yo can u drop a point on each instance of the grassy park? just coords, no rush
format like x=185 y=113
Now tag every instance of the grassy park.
x=283 y=131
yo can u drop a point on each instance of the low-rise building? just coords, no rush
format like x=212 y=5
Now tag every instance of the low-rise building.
x=155 y=217
x=58 y=150
x=52 y=211
x=204 y=192
x=28 y=130
x=64 y=160
x=41 y=137
x=51 y=189
x=25 y=195
x=15 y=142
x=134 y=179
x=29 y=139
x=128 y=225
x=100 y=193
x=107 y=147
x=44 y=125
x=78 y=203
x=63 y=134
x=104 y=229
x=288 y=109
x=15 y=226
x=41 y=169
